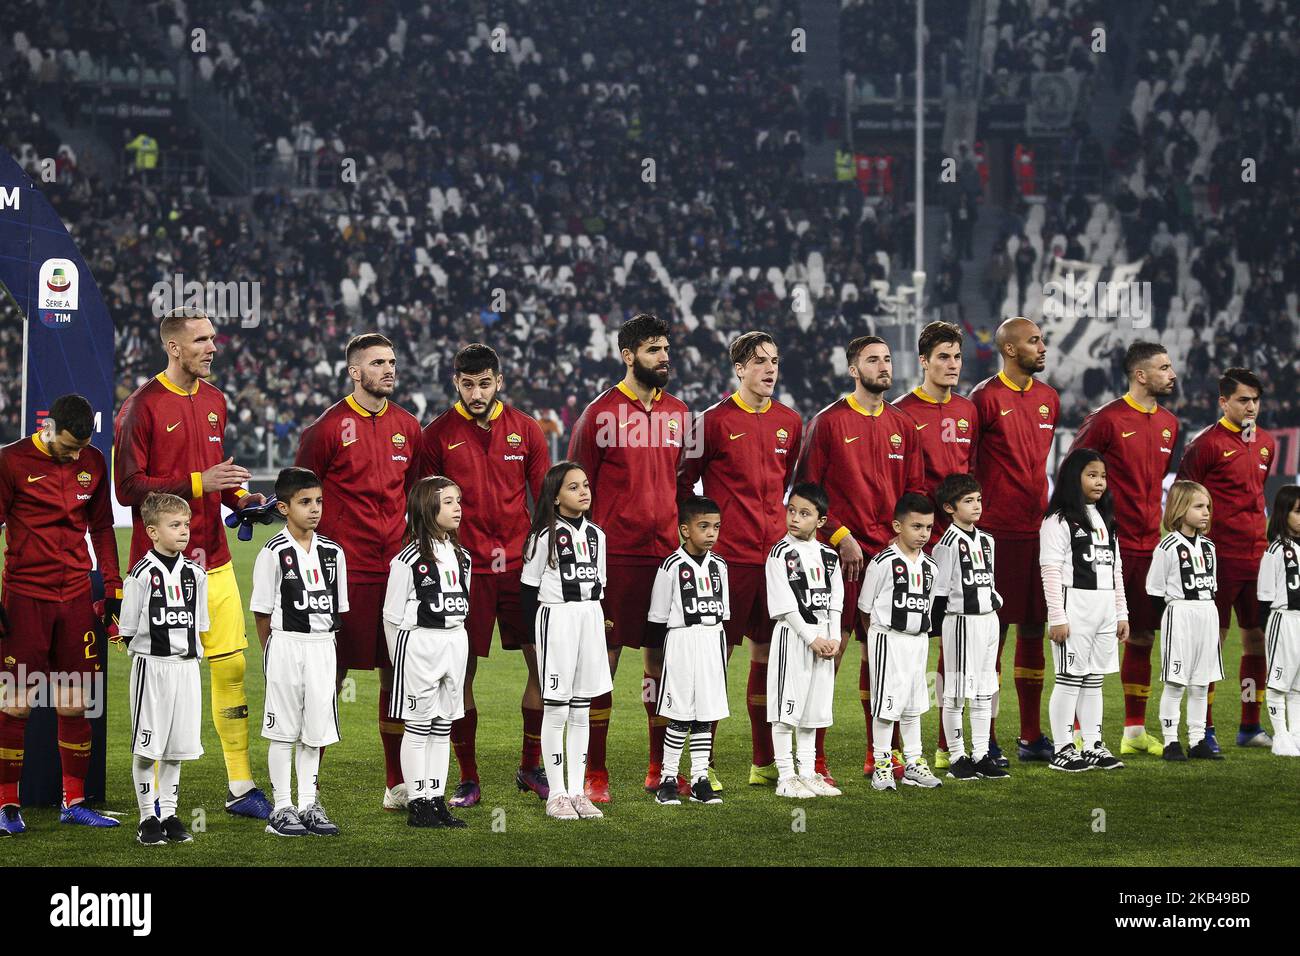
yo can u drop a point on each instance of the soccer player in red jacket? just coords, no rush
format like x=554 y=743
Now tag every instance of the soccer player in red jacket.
x=168 y=438
x=745 y=448
x=364 y=448
x=1017 y=422
x=1233 y=458
x=498 y=456
x=866 y=454
x=629 y=442
x=1136 y=437
x=947 y=425
x=54 y=488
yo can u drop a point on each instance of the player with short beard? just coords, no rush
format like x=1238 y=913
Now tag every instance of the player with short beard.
x=498 y=456
x=364 y=450
x=865 y=453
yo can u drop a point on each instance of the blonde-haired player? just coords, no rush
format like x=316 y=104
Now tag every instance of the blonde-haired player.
x=1182 y=582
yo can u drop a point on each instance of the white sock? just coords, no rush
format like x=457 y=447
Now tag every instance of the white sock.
x=981 y=722
x=783 y=748
x=1276 y=701
x=169 y=787
x=145 y=791
x=805 y=745
x=415 y=757
x=1089 y=712
x=909 y=728
x=576 y=744
x=1061 y=707
x=1198 y=705
x=997 y=697
x=279 y=761
x=1171 y=702
x=674 y=742
x=438 y=758
x=952 y=729
x=554 y=717
x=308 y=767
x=1293 y=709
x=882 y=735
x=701 y=748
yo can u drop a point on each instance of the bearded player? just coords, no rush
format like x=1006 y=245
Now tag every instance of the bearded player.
x=1136 y=437
x=1017 y=422
x=169 y=439
x=946 y=424
x=1232 y=458
x=364 y=448
x=497 y=455
x=629 y=442
x=745 y=449
x=866 y=454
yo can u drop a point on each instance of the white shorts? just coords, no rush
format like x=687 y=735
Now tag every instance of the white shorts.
x=1189 y=644
x=571 y=657
x=694 y=681
x=800 y=685
x=896 y=662
x=166 y=708
x=1093 y=645
x=300 y=704
x=428 y=673
x=970 y=656
x=1282 y=643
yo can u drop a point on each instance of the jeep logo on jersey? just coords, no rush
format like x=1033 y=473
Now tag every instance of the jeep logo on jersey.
x=399 y=441
x=976 y=579
x=1096 y=555
x=579 y=572
x=514 y=440
x=83 y=479
x=448 y=604
x=172 y=617
x=318 y=601
x=712 y=606
x=782 y=436
x=910 y=602
x=1198 y=582
x=819 y=600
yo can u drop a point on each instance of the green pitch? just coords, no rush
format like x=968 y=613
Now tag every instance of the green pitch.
x=1150 y=813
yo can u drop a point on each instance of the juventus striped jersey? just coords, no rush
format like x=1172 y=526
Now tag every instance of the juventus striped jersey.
x=1182 y=568
x=424 y=593
x=1088 y=557
x=1279 y=575
x=690 y=591
x=804 y=577
x=579 y=571
x=897 y=591
x=964 y=571
x=303 y=591
x=164 y=606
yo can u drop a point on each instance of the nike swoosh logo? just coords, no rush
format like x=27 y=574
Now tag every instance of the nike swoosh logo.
x=919 y=427
x=1126 y=434
x=1006 y=411
x=1229 y=454
x=173 y=427
x=734 y=437
x=31 y=478
x=457 y=445
x=353 y=442
x=850 y=441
